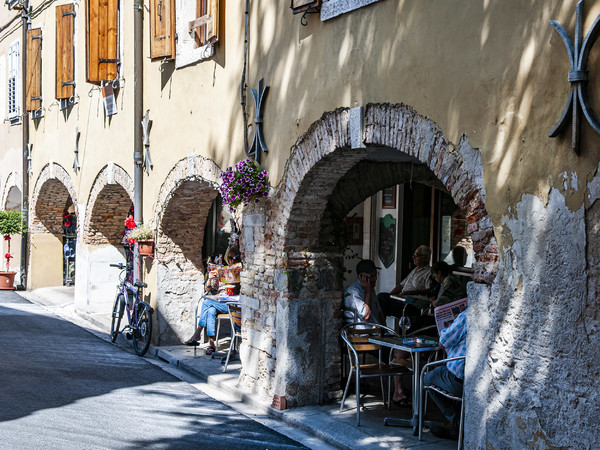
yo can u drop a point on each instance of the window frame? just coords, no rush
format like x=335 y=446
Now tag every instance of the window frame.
x=14 y=74
x=187 y=47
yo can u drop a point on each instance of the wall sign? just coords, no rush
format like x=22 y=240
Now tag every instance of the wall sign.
x=387 y=240
x=388 y=198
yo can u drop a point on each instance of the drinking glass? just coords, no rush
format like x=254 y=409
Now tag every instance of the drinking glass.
x=404 y=325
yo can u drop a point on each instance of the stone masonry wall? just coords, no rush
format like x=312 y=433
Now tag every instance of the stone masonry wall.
x=292 y=288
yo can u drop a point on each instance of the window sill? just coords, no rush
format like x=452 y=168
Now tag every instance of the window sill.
x=334 y=8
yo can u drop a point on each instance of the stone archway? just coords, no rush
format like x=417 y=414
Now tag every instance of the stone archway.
x=300 y=349
x=11 y=194
x=53 y=192
x=183 y=205
x=109 y=202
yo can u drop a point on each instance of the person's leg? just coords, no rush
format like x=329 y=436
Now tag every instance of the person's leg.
x=201 y=325
x=442 y=377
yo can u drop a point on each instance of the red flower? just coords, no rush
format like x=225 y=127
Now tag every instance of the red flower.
x=130 y=222
x=8 y=256
x=6 y=237
x=67 y=223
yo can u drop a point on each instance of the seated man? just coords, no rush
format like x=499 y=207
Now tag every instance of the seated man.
x=450 y=377
x=418 y=282
x=360 y=301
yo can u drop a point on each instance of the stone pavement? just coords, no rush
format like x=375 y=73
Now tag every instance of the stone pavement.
x=324 y=422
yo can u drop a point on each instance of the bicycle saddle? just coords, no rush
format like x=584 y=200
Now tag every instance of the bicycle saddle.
x=140 y=284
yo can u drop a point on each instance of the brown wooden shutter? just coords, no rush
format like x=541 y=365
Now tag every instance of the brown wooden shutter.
x=206 y=25
x=102 y=19
x=162 y=29
x=65 y=73
x=212 y=27
x=34 y=69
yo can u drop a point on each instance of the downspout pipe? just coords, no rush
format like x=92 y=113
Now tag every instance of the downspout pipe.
x=25 y=144
x=138 y=107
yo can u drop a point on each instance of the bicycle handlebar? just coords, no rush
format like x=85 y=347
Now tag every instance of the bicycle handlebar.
x=118 y=266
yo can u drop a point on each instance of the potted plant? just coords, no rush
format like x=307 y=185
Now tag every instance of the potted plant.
x=244 y=183
x=11 y=222
x=143 y=236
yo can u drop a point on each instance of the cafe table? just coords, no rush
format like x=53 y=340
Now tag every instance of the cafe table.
x=415 y=348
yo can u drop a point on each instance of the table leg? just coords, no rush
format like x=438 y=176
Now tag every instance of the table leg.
x=416 y=392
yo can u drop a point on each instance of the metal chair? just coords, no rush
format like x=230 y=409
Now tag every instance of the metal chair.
x=432 y=387
x=220 y=317
x=235 y=316
x=356 y=336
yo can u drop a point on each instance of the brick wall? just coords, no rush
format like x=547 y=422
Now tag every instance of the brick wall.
x=109 y=202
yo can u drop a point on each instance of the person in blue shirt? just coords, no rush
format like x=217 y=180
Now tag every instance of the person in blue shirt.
x=360 y=300
x=451 y=376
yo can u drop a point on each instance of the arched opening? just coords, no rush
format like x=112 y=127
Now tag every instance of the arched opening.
x=53 y=246
x=190 y=223
x=13 y=199
x=330 y=173
x=109 y=203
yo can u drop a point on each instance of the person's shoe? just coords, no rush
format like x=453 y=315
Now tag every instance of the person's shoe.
x=445 y=430
x=191 y=343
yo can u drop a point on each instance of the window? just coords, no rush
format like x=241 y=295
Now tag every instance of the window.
x=14 y=80
x=102 y=39
x=162 y=29
x=334 y=8
x=65 y=59
x=33 y=86
x=198 y=30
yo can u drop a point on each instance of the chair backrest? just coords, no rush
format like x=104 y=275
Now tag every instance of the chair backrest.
x=356 y=336
x=235 y=315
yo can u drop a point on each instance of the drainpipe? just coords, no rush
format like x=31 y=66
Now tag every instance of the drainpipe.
x=138 y=106
x=25 y=161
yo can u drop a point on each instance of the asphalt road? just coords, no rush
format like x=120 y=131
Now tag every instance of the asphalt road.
x=63 y=387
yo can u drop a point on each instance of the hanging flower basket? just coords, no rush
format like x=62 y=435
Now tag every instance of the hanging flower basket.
x=244 y=183
x=143 y=237
x=146 y=247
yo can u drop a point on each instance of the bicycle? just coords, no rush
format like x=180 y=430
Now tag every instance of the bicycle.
x=139 y=313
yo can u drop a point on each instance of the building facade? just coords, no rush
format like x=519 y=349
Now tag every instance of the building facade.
x=420 y=123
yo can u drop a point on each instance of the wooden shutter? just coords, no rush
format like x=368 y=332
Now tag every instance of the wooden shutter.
x=102 y=19
x=65 y=73
x=34 y=70
x=206 y=26
x=162 y=29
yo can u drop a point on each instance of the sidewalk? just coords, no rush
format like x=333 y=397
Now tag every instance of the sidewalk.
x=324 y=422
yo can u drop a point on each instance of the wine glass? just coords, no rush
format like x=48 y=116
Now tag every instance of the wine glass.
x=404 y=326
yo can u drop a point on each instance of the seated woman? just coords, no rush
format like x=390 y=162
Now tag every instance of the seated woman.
x=211 y=308
x=451 y=289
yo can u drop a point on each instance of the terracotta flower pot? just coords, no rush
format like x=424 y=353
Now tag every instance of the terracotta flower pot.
x=146 y=248
x=7 y=280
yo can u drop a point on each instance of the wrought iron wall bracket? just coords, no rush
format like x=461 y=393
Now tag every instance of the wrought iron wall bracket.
x=258 y=143
x=146 y=125
x=578 y=75
x=76 y=165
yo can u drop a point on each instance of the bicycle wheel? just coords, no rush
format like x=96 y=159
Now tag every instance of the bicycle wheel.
x=142 y=329
x=117 y=315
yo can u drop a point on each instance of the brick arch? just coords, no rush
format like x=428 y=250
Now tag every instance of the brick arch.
x=180 y=214
x=53 y=192
x=322 y=157
x=109 y=202
x=297 y=280
x=13 y=181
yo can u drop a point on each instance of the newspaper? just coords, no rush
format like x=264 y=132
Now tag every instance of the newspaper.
x=445 y=314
